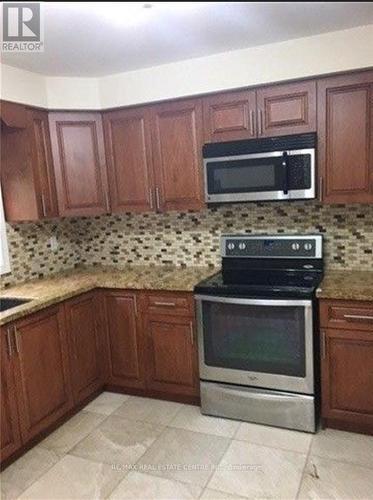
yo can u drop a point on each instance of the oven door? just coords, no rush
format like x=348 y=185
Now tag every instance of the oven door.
x=277 y=175
x=261 y=343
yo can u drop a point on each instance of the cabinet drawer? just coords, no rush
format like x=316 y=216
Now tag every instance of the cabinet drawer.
x=347 y=315
x=166 y=303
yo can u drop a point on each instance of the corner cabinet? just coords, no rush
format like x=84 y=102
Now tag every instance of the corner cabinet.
x=80 y=163
x=347 y=365
x=177 y=154
x=345 y=138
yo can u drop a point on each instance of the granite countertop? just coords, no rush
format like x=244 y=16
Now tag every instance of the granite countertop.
x=48 y=291
x=346 y=285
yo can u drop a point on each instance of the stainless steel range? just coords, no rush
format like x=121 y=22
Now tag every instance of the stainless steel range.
x=256 y=332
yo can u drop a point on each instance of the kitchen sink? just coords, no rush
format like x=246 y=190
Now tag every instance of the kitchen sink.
x=10 y=302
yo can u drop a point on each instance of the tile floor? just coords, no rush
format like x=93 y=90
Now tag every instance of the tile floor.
x=126 y=447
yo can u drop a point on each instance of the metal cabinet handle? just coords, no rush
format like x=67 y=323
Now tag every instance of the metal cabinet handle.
x=323 y=345
x=9 y=342
x=107 y=201
x=157 y=199
x=252 y=129
x=191 y=332
x=321 y=187
x=16 y=340
x=260 y=116
x=43 y=205
x=358 y=317
x=135 y=304
x=151 y=198
x=166 y=304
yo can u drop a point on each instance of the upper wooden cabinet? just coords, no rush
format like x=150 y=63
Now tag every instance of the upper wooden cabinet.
x=229 y=116
x=27 y=174
x=265 y=112
x=129 y=155
x=345 y=133
x=80 y=163
x=286 y=109
x=177 y=154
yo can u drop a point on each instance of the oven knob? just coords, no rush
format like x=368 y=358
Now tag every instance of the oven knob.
x=242 y=245
x=308 y=246
x=295 y=246
x=231 y=246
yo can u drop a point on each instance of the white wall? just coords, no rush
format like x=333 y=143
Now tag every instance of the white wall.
x=303 y=57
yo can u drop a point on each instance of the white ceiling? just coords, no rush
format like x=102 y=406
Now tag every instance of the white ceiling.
x=101 y=38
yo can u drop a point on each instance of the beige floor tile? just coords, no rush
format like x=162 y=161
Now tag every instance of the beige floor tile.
x=184 y=455
x=25 y=471
x=150 y=410
x=190 y=418
x=274 y=437
x=143 y=486
x=73 y=431
x=209 y=494
x=117 y=441
x=75 y=478
x=106 y=403
x=259 y=471
x=344 y=446
x=330 y=479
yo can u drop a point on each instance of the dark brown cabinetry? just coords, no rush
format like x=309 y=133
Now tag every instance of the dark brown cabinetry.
x=265 y=112
x=177 y=154
x=129 y=155
x=80 y=163
x=347 y=365
x=10 y=433
x=86 y=345
x=345 y=132
x=27 y=174
x=124 y=339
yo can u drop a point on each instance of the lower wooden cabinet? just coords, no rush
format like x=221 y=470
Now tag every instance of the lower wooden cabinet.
x=347 y=365
x=124 y=340
x=85 y=344
x=10 y=437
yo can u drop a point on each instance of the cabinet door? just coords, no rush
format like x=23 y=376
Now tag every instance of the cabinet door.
x=345 y=138
x=41 y=157
x=172 y=357
x=79 y=161
x=126 y=367
x=347 y=377
x=177 y=143
x=128 y=145
x=86 y=346
x=10 y=433
x=229 y=116
x=42 y=371
x=286 y=109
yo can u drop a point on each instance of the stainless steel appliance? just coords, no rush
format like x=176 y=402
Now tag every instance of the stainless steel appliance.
x=256 y=330
x=277 y=168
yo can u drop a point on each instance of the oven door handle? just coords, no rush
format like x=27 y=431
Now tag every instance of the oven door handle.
x=254 y=302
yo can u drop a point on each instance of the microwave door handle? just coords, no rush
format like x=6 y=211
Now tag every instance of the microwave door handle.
x=285 y=180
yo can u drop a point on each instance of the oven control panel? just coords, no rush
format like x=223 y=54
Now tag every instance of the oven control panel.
x=285 y=247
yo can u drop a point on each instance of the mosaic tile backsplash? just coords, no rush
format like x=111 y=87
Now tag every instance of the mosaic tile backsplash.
x=187 y=239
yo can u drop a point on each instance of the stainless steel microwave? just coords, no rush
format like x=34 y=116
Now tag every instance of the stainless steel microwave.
x=276 y=168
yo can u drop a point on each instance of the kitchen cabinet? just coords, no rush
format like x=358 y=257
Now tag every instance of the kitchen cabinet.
x=172 y=365
x=177 y=154
x=345 y=138
x=85 y=344
x=10 y=433
x=124 y=340
x=27 y=173
x=129 y=156
x=80 y=163
x=265 y=112
x=347 y=365
x=41 y=368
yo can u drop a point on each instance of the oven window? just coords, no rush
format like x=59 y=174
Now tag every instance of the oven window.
x=266 y=339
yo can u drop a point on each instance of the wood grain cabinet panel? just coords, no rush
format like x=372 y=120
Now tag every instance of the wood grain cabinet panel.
x=42 y=370
x=124 y=337
x=229 y=116
x=10 y=432
x=128 y=146
x=286 y=109
x=177 y=152
x=345 y=131
x=80 y=163
x=86 y=345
